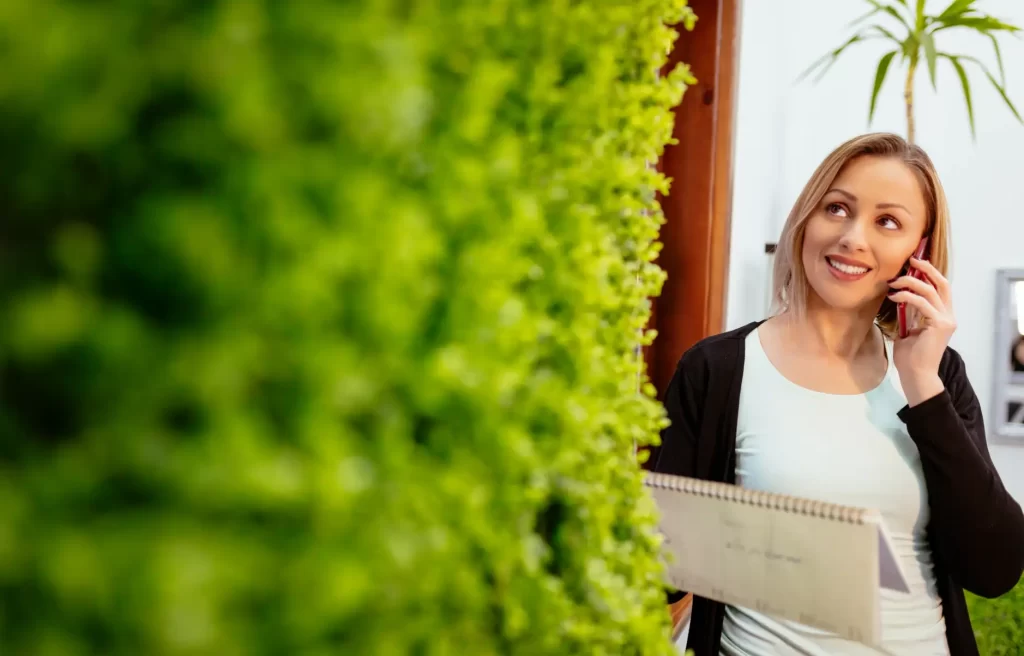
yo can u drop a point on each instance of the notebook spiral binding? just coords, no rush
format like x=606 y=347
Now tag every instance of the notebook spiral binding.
x=785 y=503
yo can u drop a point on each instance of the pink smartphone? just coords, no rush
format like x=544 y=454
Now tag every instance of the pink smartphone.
x=901 y=308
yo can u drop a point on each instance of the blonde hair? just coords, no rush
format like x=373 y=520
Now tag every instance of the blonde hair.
x=790 y=280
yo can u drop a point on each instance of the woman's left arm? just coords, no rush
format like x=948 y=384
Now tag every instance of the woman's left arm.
x=976 y=526
x=977 y=529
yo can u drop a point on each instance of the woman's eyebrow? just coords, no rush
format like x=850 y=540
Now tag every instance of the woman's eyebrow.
x=843 y=192
x=852 y=198
x=883 y=206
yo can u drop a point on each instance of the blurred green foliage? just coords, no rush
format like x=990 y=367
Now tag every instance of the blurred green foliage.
x=317 y=326
x=999 y=623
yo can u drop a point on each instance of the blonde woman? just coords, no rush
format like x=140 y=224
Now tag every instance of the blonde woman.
x=825 y=400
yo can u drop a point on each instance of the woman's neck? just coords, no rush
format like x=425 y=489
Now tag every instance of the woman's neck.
x=831 y=333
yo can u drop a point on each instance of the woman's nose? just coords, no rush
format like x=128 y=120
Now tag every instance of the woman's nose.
x=854 y=236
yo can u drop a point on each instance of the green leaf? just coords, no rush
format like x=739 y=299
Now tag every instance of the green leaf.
x=929 y=52
x=979 y=23
x=830 y=58
x=892 y=11
x=999 y=57
x=919 y=16
x=965 y=85
x=863 y=18
x=887 y=34
x=1002 y=92
x=883 y=68
x=956 y=8
x=1000 y=88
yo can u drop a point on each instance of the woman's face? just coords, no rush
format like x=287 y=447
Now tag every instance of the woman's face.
x=866 y=227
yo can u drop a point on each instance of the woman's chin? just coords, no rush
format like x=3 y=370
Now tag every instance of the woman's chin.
x=849 y=302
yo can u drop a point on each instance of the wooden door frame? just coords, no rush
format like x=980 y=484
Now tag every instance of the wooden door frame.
x=695 y=237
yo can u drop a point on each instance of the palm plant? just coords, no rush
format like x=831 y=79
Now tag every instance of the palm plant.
x=918 y=36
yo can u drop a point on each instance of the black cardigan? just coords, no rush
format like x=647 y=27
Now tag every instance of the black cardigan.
x=976 y=530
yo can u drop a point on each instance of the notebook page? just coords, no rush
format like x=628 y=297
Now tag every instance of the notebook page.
x=890 y=575
x=815 y=571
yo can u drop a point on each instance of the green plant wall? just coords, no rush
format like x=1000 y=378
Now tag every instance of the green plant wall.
x=317 y=326
x=998 y=623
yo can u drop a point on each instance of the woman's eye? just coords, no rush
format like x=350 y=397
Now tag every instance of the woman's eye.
x=889 y=223
x=835 y=209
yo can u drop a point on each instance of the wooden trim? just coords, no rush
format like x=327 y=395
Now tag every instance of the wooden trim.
x=721 y=194
x=695 y=236
x=680 y=612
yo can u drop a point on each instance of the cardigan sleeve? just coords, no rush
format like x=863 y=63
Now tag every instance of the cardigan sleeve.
x=976 y=527
x=678 y=450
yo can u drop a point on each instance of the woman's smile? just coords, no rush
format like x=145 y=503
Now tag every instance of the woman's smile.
x=846 y=269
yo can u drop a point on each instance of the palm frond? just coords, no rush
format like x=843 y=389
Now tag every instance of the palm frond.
x=999 y=56
x=829 y=58
x=1002 y=92
x=880 y=72
x=921 y=30
x=995 y=83
x=965 y=85
x=929 y=54
x=955 y=9
x=858 y=21
x=892 y=11
x=881 y=31
x=981 y=23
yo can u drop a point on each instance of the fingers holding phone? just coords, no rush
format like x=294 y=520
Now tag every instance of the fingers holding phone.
x=939 y=285
x=925 y=293
x=918 y=289
x=912 y=272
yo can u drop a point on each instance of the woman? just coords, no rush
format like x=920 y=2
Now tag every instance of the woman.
x=824 y=400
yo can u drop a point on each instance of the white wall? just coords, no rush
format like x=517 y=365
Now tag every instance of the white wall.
x=785 y=128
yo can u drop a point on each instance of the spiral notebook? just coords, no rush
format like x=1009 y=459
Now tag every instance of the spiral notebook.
x=812 y=562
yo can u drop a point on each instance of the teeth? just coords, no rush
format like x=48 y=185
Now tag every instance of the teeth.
x=846 y=268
